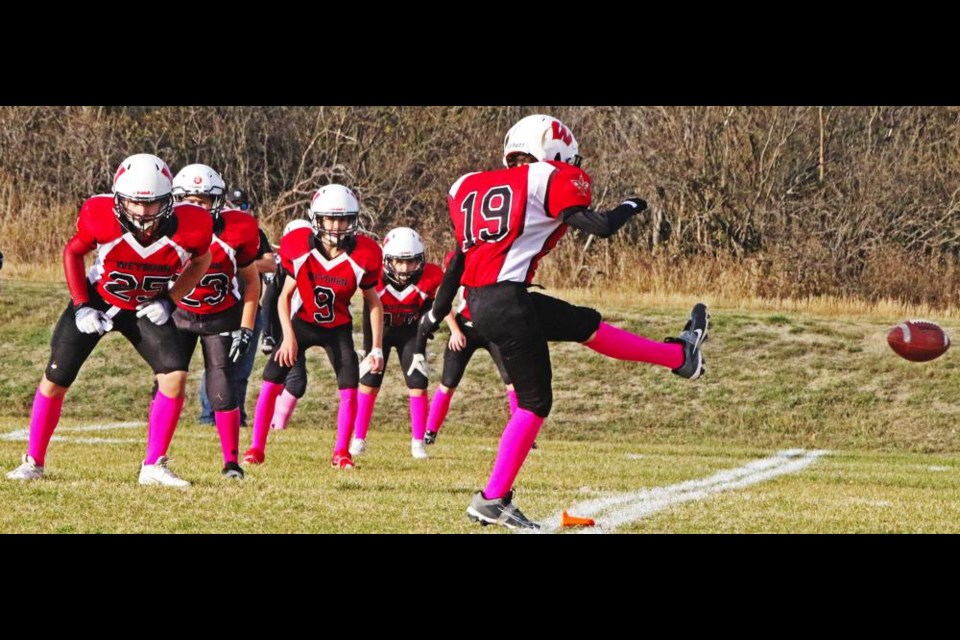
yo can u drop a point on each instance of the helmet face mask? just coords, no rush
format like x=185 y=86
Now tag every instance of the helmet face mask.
x=330 y=232
x=144 y=221
x=201 y=180
x=330 y=206
x=409 y=275
x=141 y=181
x=543 y=137
x=403 y=246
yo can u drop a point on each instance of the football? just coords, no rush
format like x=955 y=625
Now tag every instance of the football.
x=918 y=340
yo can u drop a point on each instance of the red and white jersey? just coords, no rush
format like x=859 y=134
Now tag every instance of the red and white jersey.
x=507 y=220
x=235 y=244
x=127 y=273
x=324 y=287
x=402 y=306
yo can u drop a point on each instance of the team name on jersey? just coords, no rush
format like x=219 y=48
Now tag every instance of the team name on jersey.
x=147 y=268
x=324 y=278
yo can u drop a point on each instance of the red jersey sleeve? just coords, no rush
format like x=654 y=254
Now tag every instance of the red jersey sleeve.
x=90 y=229
x=294 y=244
x=569 y=186
x=196 y=226
x=369 y=257
x=431 y=279
x=248 y=235
x=86 y=236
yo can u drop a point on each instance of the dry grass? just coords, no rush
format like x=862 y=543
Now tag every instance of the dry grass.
x=766 y=202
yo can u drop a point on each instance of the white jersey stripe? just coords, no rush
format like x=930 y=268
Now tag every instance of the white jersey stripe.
x=456 y=185
x=96 y=271
x=232 y=255
x=537 y=226
x=357 y=269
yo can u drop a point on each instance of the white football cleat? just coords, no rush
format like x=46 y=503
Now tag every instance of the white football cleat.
x=358 y=447
x=28 y=470
x=418 y=449
x=158 y=473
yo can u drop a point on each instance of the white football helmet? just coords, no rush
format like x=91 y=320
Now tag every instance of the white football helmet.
x=403 y=243
x=334 y=201
x=142 y=178
x=544 y=138
x=200 y=180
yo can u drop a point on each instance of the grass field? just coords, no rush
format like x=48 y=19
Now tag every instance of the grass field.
x=872 y=439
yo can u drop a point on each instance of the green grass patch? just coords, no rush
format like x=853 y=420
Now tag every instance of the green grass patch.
x=774 y=381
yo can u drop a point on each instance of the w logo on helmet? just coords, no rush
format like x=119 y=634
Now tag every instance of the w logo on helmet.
x=560 y=132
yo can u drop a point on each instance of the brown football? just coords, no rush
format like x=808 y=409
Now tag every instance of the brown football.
x=918 y=340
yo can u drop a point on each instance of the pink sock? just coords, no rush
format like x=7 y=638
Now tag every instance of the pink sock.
x=164 y=414
x=438 y=409
x=285 y=405
x=623 y=345
x=361 y=425
x=228 y=426
x=418 y=416
x=43 y=421
x=512 y=399
x=518 y=437
x=265 y=407
x=345 y=417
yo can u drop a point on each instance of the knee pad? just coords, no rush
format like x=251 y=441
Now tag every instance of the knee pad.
x=540 y=404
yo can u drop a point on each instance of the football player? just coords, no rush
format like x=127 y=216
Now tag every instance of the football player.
x=142 y=241
x=505 y=222
x=215 y=312
x=325 y=264
x=406 y=290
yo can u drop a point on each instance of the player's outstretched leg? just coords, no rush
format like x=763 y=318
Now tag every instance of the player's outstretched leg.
x=694 y=334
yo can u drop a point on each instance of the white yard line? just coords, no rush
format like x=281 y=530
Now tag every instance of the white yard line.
x=23 y=435
x=617 y=510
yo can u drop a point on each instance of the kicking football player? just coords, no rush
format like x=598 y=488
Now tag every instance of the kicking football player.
x=505 y=222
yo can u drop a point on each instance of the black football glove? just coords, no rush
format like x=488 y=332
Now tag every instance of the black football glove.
x=241 y=343
x=428 y=325
x=640 y=209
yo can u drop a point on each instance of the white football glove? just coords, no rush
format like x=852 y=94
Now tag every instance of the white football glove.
x=367 y=363
x=419 y=364
x=90 y=320
x=158 y=311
